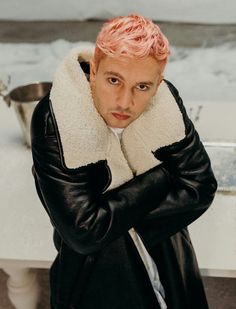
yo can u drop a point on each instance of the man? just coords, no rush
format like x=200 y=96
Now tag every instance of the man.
x=121 y=172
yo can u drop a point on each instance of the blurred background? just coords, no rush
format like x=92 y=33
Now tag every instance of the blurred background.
x=34 y=37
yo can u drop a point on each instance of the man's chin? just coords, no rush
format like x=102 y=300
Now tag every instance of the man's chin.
x=117 y=126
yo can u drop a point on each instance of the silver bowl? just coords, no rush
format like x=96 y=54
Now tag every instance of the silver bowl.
x=24 y=99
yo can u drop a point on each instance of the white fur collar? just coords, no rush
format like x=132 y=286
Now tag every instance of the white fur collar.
x=161 y=125
x=85 y=138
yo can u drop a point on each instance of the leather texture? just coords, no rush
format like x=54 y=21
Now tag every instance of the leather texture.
x=98 y=265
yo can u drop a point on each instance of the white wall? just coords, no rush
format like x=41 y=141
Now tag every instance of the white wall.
x=200 y=11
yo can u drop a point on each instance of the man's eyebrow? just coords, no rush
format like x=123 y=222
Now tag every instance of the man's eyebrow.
x=146 y=83
x=114 y=73
x=121 y=77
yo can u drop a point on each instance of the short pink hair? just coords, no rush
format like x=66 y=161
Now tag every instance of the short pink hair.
x=131 y=36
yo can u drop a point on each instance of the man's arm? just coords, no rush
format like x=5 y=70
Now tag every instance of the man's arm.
x=157 y=203
x=86 y=218
x=193 y=187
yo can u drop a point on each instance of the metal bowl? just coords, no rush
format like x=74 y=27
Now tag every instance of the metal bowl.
x=28 y=93
x=24 y=99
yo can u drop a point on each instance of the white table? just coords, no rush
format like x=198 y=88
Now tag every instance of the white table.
x=26 y=232
x=214 y=237
x=214 y=234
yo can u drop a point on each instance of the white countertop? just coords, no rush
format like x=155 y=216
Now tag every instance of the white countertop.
x=26 y=231
x=213 y=237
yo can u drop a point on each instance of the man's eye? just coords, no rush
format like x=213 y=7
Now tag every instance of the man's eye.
x=142 y=87
x=113 y=81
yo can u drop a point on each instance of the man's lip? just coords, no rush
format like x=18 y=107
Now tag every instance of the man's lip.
x=120 y=116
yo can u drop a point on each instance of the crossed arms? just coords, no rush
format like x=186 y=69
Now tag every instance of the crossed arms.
x=157 y=203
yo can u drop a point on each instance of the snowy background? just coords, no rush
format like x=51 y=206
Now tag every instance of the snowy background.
x=206 y=74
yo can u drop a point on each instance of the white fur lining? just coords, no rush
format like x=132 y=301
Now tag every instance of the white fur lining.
x=161 y=125
x=85 y=137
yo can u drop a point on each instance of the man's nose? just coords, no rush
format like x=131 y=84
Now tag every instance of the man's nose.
x=125 y=98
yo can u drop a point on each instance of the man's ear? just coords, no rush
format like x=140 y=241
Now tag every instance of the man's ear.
x=160 y=79
x=92 y=70
x=158 y=83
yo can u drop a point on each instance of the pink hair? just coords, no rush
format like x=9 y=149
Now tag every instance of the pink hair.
x=131 y=36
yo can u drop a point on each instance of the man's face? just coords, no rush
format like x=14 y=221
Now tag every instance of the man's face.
x=122 y=88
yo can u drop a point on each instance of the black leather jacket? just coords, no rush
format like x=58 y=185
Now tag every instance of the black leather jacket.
x=158 y=204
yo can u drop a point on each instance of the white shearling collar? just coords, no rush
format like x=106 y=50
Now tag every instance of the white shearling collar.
x=85 y=137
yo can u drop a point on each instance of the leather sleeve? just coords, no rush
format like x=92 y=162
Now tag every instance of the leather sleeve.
x=193 y=185
x=86 y=218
